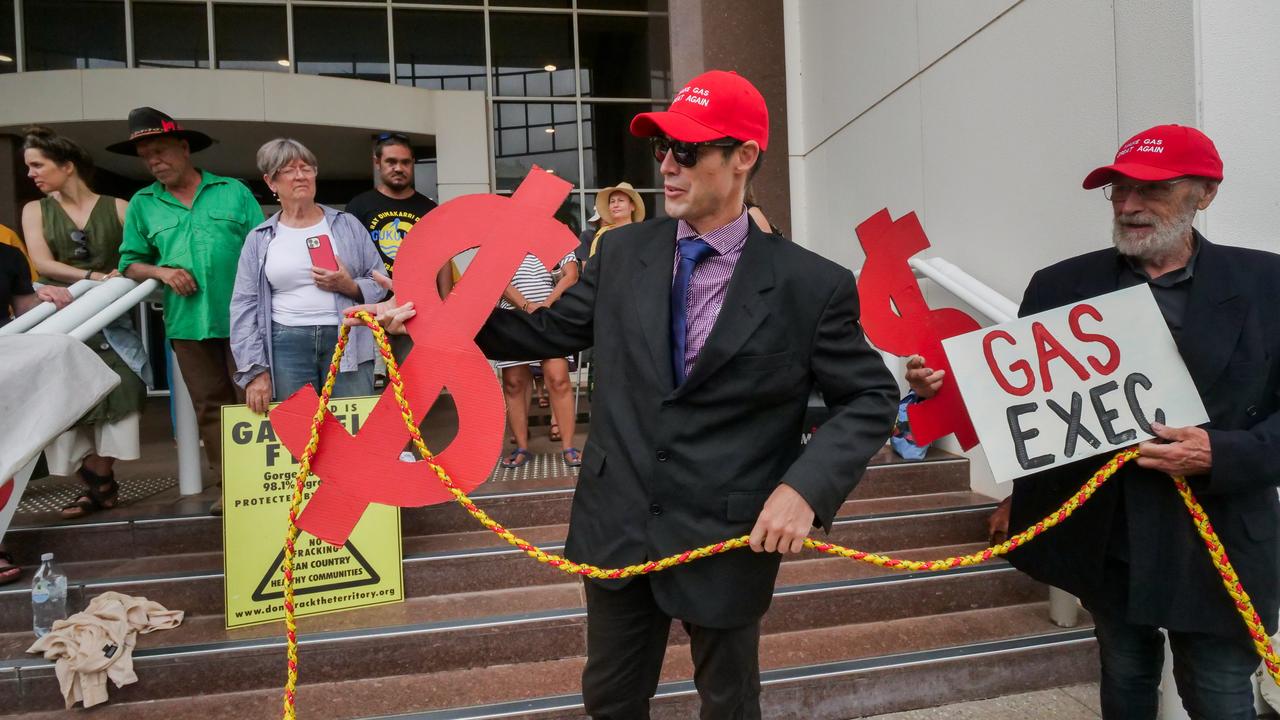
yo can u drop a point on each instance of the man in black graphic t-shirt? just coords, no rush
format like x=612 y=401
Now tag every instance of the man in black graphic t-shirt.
x=393 y=207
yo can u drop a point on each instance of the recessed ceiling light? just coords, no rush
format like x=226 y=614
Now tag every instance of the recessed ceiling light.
x=5 y=58
x=549 y=68
x=283 y=62
x=549 y=130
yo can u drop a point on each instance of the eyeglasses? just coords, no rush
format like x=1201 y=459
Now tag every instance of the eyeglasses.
x=1156 y=191
x=81 y=239
x=294 y=171
x=685 y=153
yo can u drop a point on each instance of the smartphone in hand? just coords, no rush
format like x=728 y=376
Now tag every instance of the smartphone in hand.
x=322 y=252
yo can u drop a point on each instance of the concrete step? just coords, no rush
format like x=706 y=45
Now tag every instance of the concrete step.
x=200 y=654
x=116 y=534
x=450 y=563
x=828 y=673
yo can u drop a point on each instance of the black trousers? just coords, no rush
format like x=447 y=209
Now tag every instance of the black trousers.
x=626 y=641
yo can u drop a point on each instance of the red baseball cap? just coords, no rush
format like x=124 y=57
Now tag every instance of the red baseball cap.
x=713 y=105
x=1162 y=153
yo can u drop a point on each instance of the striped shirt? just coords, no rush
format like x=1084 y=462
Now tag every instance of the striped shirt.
x=709 y=282
x=533 y=280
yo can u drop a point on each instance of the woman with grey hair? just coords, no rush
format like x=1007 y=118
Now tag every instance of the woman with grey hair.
x=299 y=272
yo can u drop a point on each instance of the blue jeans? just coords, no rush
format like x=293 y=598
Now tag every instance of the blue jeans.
x=301 y=355
x=1213 y=673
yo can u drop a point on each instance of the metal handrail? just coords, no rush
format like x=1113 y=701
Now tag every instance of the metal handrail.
x=97 y=304
x=44 y=310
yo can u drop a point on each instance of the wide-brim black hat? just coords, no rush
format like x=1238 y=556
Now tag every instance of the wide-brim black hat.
x=145 y=122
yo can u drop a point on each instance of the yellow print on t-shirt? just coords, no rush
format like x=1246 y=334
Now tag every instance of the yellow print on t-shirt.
x=388 y=229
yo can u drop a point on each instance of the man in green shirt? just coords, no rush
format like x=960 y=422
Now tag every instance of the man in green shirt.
x=186 y=230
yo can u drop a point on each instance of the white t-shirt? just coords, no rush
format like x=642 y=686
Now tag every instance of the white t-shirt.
x=295 y=299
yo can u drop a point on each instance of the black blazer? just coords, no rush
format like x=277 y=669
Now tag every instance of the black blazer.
x=667 y=469
x=1230 y=342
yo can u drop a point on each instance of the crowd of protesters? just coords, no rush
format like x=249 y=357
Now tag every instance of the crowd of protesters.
x=251 y=306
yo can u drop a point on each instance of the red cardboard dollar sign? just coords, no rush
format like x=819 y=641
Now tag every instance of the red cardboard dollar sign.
x=355 y=470
x=915 y=328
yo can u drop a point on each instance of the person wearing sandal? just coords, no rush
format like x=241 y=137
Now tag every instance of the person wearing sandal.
x=75 y=234
x=531 y=288
x=9 y=570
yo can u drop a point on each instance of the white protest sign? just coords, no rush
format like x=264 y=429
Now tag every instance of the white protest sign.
x=1066 y=384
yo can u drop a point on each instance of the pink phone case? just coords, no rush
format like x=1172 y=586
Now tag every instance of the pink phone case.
x=322 y=252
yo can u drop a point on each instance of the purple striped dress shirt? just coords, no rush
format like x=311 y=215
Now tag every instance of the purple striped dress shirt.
x=709 y=282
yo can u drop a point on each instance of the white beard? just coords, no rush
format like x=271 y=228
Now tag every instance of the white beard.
x=1167 y=239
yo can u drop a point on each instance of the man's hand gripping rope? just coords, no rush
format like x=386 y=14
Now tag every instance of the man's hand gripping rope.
x=1217 y=554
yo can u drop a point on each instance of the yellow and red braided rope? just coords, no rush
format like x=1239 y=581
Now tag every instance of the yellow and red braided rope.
x=1253 y=623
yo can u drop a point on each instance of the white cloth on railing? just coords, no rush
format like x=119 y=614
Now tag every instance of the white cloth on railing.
x=49 y=382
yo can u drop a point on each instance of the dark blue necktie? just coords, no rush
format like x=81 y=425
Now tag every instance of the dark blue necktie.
x=692 y=251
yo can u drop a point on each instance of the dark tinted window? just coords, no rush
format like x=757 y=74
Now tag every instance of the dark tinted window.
x=65 y=34
x=611 y=153
x=251 y=37
x=532 y=54
x=624 y=56
x=341 y=42
x=8 y=46
x=650 y=5
x=440 y=50
x=170 y=35
x=525 y=134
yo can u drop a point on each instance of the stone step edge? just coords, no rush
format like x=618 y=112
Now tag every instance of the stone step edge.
x=107 y=582
x=805 y=673
x=492 y=621
x=480 y=497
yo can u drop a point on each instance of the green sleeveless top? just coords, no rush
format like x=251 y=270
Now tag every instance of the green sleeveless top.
x=102 y=236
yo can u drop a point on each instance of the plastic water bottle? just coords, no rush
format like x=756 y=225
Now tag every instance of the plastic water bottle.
x=48 y=596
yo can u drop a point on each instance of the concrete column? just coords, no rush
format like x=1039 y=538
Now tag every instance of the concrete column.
x=744 y=36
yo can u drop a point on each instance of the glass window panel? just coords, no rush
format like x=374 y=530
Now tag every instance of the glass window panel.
x=8 y=45
x=649 y=5
x=624 y=56
x=341 y=42
x=444 y=2
x=170 y=35
x=527 y=48
x=67 y=34
x=519 y=145
x=530 y=3
x=440 y=50
x=611 y=153
x=251 y=37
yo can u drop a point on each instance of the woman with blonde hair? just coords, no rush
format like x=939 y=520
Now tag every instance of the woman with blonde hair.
x=74 y=234
x=617 y=206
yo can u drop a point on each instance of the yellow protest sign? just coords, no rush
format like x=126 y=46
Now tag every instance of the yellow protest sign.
x=258 y=476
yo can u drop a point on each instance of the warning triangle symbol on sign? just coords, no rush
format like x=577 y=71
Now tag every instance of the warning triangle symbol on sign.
x=370 y=577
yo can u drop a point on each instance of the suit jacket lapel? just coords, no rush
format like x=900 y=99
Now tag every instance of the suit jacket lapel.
x=742 y=312
x=1215 y=316
x=651 y=286
x=1101 y=280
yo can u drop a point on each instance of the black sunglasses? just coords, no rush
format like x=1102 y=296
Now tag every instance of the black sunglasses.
x=685 y=153
x=384 y=137
x=81 y=239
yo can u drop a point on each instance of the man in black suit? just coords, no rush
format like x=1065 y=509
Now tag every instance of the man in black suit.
x=709 y=336
x=1131 y=554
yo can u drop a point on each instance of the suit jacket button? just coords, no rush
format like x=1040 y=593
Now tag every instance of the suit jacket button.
x=663 y=456
x=655 y=509
x=1252 y=411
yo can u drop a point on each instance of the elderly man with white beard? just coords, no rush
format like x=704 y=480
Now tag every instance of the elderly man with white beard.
x=1132 y=554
